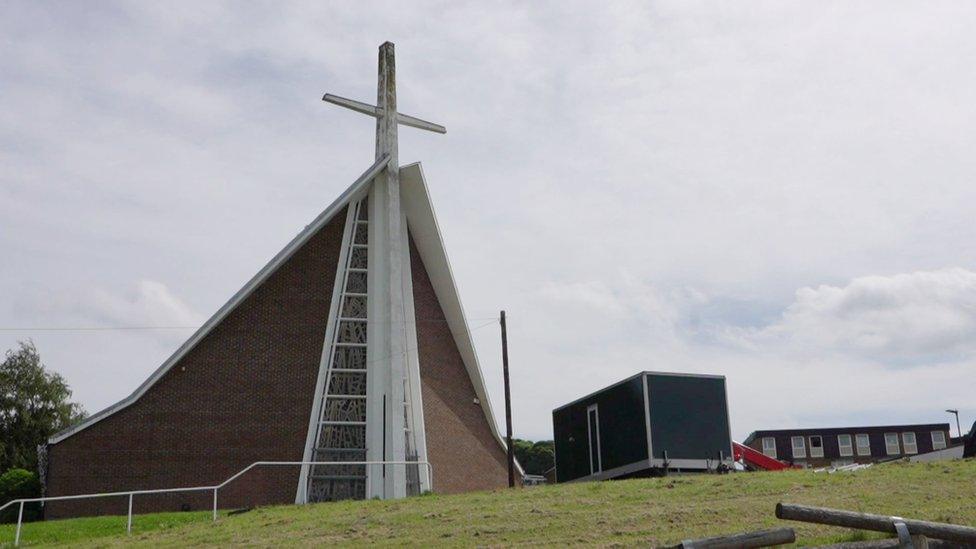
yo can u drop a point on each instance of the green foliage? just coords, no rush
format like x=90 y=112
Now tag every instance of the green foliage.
x=33 y=406
x=535 y=457
x=18 y=484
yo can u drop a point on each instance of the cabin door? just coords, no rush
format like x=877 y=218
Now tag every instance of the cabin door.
x=593 y=432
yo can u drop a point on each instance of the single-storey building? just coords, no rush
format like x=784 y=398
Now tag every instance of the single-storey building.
x=646 y=424
x=838 y=446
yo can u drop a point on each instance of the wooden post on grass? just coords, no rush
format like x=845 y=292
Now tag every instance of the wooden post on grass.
x=877 y=523
x=760 y=538
x=508 y=406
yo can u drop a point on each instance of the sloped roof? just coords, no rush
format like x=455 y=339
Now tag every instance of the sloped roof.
x=417 y=206
x=416 y=203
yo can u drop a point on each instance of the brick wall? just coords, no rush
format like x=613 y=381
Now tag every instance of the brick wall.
x=461 y=448
x=243 y=394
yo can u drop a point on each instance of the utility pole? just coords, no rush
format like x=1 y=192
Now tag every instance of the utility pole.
x=508 y=406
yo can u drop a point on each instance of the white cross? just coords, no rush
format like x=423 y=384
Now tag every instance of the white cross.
x=387 y=343
x=386 y=110
x=376 y=112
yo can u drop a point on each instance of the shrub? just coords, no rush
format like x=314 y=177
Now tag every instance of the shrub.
x=17 y=484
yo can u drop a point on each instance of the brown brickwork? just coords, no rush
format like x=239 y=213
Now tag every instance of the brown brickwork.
x=461 y=448
x=242 y=394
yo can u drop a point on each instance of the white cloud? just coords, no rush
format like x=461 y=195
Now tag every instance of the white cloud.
x=912 y=318
x=145 y=303
x=149 y=303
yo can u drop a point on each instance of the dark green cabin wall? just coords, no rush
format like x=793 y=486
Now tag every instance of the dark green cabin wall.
x=623 y=431
x=689 y=417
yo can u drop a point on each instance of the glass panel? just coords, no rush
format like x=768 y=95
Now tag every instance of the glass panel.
x=844 y=444
x=345 y=409
x=938 y=440
x=891 y=443
x=799 y=447
x=356 y=283
x=908 y=439
x=352 y=332
x=349 y=358
x=863 y=444
x=337 y=490
x=362 y=234
x=354 y=307
x=347 y=383
x=816 y=446
x=359 y=258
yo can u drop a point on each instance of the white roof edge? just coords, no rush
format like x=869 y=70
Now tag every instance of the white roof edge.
x=234 y=301
x=639 y=374
x=416 y=202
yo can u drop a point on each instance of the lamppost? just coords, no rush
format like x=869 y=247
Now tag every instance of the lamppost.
x=958 y=429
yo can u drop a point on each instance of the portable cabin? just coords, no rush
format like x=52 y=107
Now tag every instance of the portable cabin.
x=644 y=425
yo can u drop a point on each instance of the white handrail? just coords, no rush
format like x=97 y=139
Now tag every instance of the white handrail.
x=215 y=488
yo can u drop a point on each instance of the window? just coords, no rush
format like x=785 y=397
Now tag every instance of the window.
x=816 y=446
x=593 y=429
x=863 y=444
x=938 y=440
x=769 y=446
x=844 y=444
x=891 y=444
x=908 y=442
x=799 y=448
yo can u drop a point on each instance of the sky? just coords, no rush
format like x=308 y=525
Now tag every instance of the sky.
x=779 y=192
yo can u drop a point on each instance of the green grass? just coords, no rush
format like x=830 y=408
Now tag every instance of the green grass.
x=631 y=512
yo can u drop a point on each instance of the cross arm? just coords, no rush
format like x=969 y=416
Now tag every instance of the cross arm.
x=366 y=108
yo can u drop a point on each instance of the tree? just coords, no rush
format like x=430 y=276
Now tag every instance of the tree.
x=19 y=484
x=34 y=404
x=535 y=457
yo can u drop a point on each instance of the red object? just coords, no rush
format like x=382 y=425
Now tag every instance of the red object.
x=756 y=458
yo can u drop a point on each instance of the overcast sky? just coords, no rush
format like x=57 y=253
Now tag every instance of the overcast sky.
x=780 y=192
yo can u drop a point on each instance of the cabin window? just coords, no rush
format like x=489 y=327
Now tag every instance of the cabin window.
x=908 y=442
x=891 y=444
x=593 y=429
x=938 y=440
x=863 y=444
x=844 y=445
x=816 y=446
x=769 y=446
x=799 y=447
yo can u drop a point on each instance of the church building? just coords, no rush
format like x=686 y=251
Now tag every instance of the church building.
x=350 y=346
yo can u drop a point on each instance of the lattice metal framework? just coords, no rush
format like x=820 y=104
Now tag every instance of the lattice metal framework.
x=342 y=423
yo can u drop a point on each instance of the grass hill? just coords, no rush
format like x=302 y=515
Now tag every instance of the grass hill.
x=631 y=512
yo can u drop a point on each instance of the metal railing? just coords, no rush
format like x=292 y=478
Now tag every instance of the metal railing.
x=215 y=488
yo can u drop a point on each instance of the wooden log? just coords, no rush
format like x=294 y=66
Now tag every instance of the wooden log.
x=920 y=542
x=760 y=538
x=877 y=523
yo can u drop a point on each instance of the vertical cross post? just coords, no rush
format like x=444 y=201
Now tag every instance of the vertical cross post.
x=388 y=259
x=387 y=351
